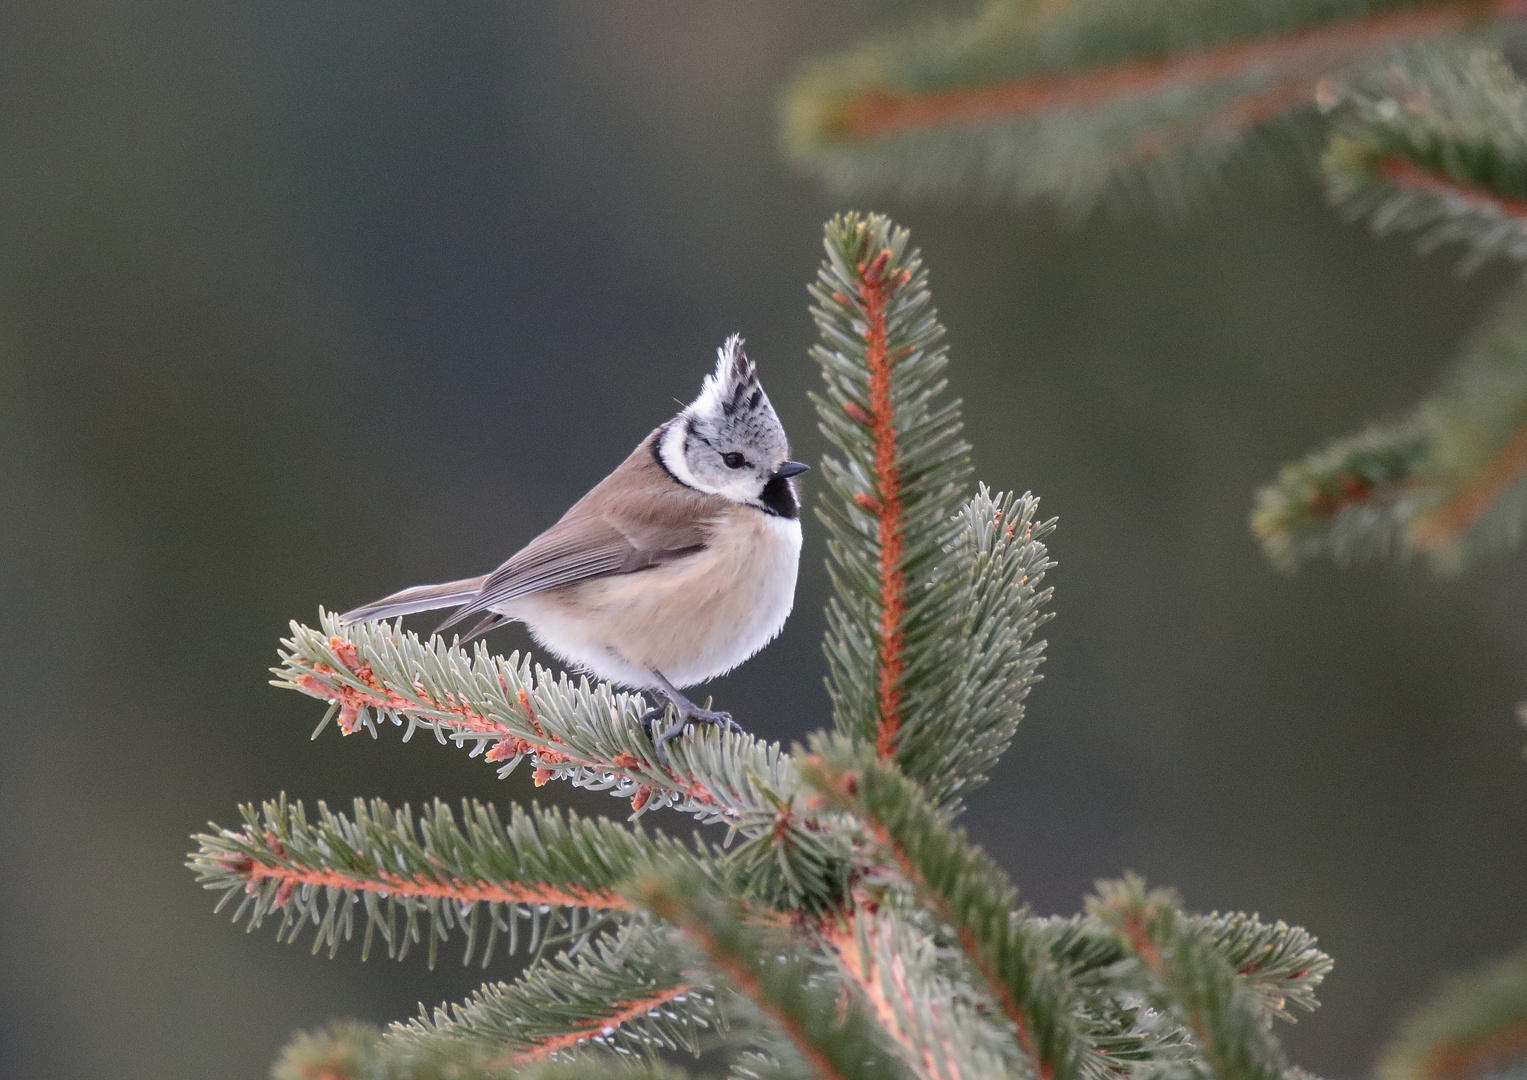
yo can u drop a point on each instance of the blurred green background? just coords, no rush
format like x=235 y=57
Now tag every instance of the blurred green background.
x=303 y=302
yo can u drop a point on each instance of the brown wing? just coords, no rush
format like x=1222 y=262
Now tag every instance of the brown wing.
x=636 y=518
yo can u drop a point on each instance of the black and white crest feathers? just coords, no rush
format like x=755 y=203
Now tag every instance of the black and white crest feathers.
x=734 y=387
x=728 y=441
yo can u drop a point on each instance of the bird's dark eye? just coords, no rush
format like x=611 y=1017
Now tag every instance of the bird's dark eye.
x=733 y=460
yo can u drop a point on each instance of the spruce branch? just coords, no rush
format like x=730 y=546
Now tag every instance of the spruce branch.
x=898 y=482
x=1436 y=144
x=986 y=606
x=1474 y=1027
x=507 y=709
x=771 y=968
x=963 y=888
x=1446 y=482
x=637 y=988
x=1071 y=100
x=1186 y=973
x=350 y=1050
x=554 y=871
x=934 y=1021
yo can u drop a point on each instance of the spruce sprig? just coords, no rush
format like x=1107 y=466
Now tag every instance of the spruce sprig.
x=773 y=969
x=1436 y=144
x=1184 y=974
x=416 y=879
x=1475 y=1026
x=944 y=1027
x=1088 y=98
x=1446 y=482
x=508 y=708
x=351 y=1050
x=963 y=888
x=894 y=490
x=637 y=988
x=990 y=603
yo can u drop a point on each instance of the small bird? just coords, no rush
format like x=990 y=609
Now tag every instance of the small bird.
x=674 y=569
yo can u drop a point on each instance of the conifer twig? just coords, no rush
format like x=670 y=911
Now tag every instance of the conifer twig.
x=507 y=709
x=899 y=481
x=877 y=284
x=1188 y=976
x=453 y=875
x=1448 y=481
x=635 y=988
x=1475 y=1026
x=1436 y=144
x=1407 y=174
x=936 y=1024
x=1079 y=100
x=963 y=888
x=836 y=1041
x=1443 y=526
x=349 y=1050
x=878 y=112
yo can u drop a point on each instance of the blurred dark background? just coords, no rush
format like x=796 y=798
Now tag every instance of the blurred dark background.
x=303 y=302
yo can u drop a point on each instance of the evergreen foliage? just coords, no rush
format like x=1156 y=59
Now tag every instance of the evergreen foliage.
x=1082 y=101
x=1475 y=1027
x=1436 y=145
x=1078 y=100
x=845 y=929
x=1447 y=481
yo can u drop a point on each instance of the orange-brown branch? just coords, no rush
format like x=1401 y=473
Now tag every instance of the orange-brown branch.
x=548 y=753
x=879 y=112
x=746 y=982
x=1044 y=1068
x=875 y=288
x=1464 y=1058
x=508 y=892
x=625 y=1012
x=1406 y=174
x=1448 y=522
x=1241 y=115
x=864 y=971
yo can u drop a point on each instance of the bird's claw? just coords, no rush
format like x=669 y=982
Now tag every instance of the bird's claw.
x=686 y=714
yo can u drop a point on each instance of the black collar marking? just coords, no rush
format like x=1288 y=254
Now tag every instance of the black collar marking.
x=778 y=498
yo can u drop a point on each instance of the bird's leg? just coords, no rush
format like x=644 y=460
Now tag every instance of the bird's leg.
x=688 y=713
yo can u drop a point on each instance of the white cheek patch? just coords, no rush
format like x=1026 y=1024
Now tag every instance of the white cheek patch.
x=671 y=450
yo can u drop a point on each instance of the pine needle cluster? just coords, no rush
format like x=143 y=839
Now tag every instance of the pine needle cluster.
x=839 y=925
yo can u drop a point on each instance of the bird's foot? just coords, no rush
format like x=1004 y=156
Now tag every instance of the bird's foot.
x=685 y=712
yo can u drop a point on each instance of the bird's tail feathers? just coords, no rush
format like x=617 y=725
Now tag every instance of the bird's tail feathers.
x=419 y=598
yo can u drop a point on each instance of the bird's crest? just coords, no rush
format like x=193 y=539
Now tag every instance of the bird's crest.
x=733 y=388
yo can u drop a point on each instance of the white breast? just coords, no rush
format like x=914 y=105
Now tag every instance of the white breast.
x=691 y=620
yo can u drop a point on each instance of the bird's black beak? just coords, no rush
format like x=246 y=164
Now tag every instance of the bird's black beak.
x=791 y=468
